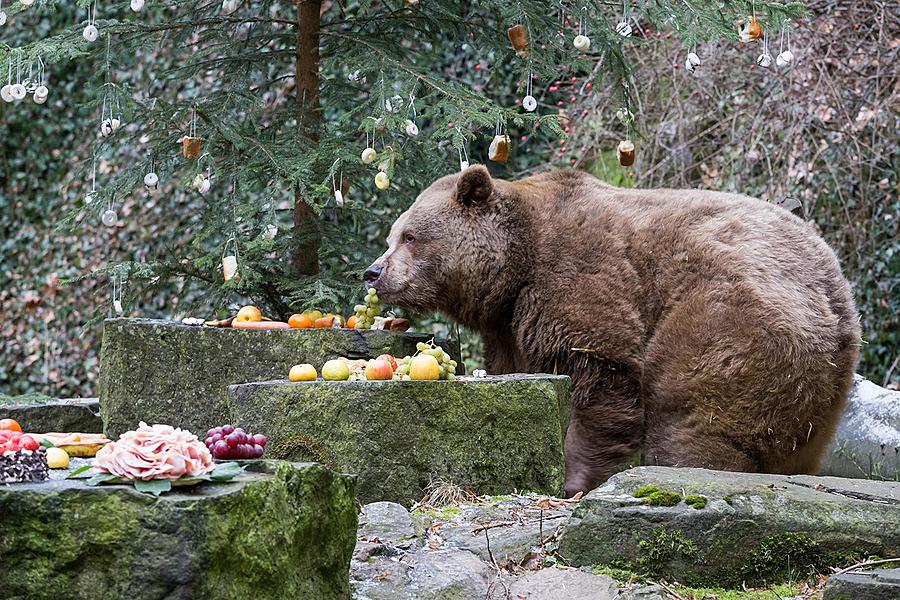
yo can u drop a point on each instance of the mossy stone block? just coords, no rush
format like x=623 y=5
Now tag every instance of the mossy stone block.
x=492 y=435
x=753 y=527
x=166 y=372
x=45 y=415
x=281 y=530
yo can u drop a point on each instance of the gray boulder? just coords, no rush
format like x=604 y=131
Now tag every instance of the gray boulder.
x=867 y=441
x=751 y=528
x=80 y=415
x=870 y=585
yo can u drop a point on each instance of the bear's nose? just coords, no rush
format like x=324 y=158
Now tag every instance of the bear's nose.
x=372 y=274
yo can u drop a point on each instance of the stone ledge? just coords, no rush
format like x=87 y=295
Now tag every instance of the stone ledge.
x=165 y=372
x=280 y=531
x=494 y=434
x=75 y=414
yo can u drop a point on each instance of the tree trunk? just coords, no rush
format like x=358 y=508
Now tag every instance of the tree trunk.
x=306 y=78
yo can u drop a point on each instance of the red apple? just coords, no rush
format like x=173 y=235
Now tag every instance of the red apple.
x=390 y=359
x=379 y=370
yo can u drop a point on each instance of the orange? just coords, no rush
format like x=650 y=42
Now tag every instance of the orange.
x=324 y=322
x=249 y=314
x=351 y=322
x=300 y=321
x=10 y=425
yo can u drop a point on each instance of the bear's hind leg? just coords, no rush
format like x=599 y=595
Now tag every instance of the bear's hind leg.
x=606 y=425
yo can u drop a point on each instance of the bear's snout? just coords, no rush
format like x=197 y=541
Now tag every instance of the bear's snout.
x=372 y=274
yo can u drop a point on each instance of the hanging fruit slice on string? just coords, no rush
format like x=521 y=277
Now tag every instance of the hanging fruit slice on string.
x=625 y=153
x=749 y=30
x=190 y=144
x=518 y=36
x=229 y=261
x=582 y=42
x=229 y=6
x=764 y=60
x=785 y=56
x=338 y=190
x=691 y=63
x=623 y=27
x=529 y=102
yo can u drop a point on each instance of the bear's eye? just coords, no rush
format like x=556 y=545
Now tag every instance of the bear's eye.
x=408 y=238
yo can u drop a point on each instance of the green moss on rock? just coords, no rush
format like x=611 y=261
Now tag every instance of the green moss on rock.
x=653 y=496
x=166 y=372
x=282 y=531
x=491 y=435
x=696 y=501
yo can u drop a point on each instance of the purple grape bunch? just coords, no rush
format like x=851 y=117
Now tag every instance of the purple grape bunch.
x=230 y=442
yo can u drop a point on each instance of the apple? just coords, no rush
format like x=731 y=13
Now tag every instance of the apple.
x=379 y=370
x=335 y=370
x=304 y=372
x=424 y=367
x=249 y=314
x=390 y=359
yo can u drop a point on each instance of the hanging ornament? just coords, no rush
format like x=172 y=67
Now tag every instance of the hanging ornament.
x=229 y=6
x=463 y=154
x=625 y=152
x=412 y=130
x=117 y=285
x=764 y=60
x=518 y=36
x=499 y=148
x=137 y=5
x=229 y=261
x=151 y=180
x=785 y=56
x=91 y=32
x=368 y=155
x=529 y=103
x=92 y=195
x=623 y=27
x=382 y=181
x=749 y=30
x=691 y=63
x=338 y=194
x=27 y=2
x=190 y=144
x=271 y=231
x=2 y=15
x=582 y=42
x=41 y=91
x=109 y=217
x=202 y=183
x=17 y=91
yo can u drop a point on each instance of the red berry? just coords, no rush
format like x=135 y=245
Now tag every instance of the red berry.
x=574 y=80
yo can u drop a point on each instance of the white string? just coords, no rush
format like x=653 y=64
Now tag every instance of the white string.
x=94 y=174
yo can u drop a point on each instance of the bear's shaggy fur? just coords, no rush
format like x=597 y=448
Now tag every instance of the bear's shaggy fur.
x=705 y=329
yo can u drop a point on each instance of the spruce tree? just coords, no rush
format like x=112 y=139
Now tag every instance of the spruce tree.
x=286 y=96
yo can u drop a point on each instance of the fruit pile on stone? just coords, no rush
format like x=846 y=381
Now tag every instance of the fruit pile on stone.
x=228 y=442
x=430 y=363
x=21 y=458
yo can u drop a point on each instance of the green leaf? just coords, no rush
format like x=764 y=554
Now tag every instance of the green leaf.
x=226 y=471
x=101 y=478
x=47 y=443
x=74 y=474
x=153 y=486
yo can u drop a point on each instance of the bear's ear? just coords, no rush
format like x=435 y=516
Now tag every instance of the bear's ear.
x=474 y=186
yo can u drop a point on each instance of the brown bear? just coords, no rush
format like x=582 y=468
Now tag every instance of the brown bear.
x=704 y=329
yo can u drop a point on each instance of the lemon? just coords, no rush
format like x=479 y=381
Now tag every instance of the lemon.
x=57 y=458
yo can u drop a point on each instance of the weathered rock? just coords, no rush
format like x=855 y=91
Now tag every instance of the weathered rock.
x=428 y=575
x=280 y=531
x=867 y=441
x=166 y=372
x=76 y=414
x=753 y=528
x=872 y=585
x=563 y=584
x=498 y=433
x=387 y=521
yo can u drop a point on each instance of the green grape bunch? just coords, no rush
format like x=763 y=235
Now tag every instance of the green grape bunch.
x=446 y=365
x=366 y=313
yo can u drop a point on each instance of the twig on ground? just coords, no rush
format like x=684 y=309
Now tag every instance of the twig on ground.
x=865 y=563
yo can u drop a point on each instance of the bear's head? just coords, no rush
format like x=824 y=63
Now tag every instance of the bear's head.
x=458 y=249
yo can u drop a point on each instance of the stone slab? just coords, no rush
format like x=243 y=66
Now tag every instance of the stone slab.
x=493 y=435
x=75 y=414
x=867 y=441
x=883 y=584
x=165 y=372
x=754 y=527
x=279 y=531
